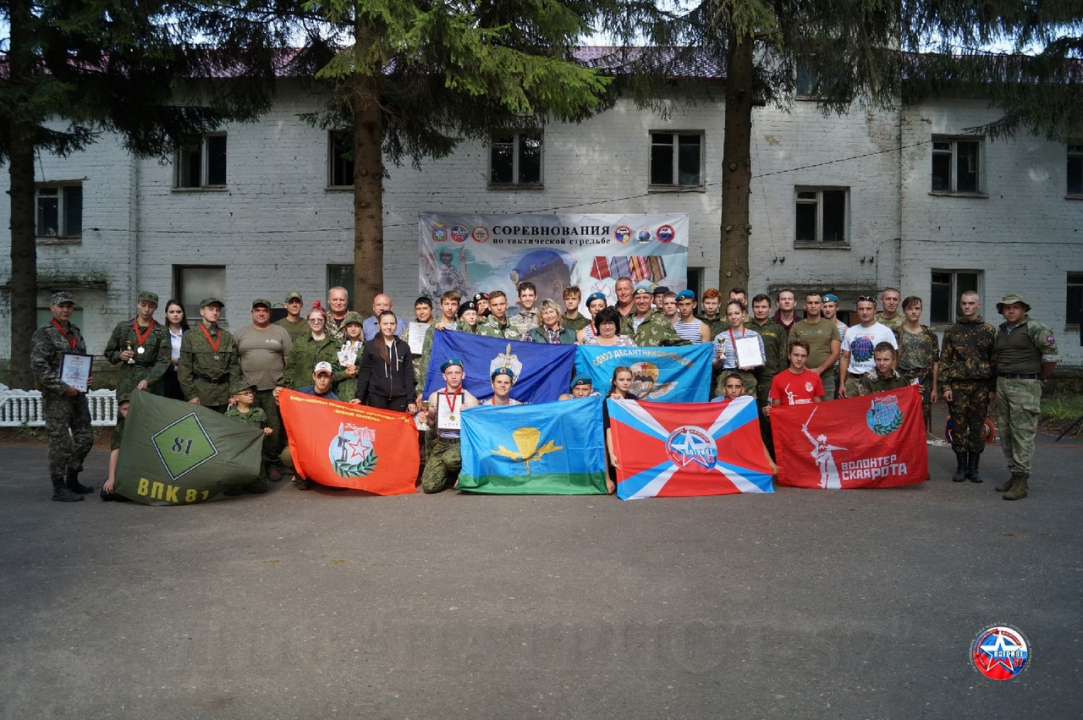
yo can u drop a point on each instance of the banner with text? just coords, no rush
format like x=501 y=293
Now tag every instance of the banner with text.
x=863 y=442
x=483 y=253
x=176 y=453
x=679 y=374
x=351 y=446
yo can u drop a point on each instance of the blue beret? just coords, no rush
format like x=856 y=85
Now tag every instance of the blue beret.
x=830 y=297
x=449 y=362
x=686 y=295
x=503 y=371
x=597 y=296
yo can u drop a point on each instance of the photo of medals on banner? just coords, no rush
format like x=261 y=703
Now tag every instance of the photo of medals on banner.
x=467 y=253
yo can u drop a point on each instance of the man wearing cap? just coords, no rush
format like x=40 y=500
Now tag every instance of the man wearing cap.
x=966 y=377
x=572 y=318
x=338 y=304
x=294 y=324
x=647 y=326
x=370 y=328
x=582 y=386
x=141 y=347
x=67 y=414
x=262 y=349
x=688 y=327
x=481 y=299
x=208 y=360
x=497 y=324
x=445 y=459
x=526 y=319
x=322 y=376
x=1025 y=353
x=659 y=292
x=502 y=378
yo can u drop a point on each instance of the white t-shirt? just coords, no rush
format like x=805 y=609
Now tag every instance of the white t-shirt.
x=860 y=341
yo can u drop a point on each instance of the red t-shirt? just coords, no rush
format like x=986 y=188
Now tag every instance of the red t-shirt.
x=789 y=388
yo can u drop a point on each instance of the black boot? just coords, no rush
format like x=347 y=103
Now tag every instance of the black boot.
x=61 y=493
x=75 y=486
x=960 y=471
x=972 y=473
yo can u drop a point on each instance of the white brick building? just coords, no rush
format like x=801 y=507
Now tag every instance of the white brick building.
x=1005 y=222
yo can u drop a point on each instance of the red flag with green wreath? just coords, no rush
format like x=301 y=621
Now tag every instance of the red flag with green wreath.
x=351 y=446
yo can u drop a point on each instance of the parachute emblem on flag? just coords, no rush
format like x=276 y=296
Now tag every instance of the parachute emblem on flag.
x=884 y=416
x=527 y=450
x=509 y=360
x=351 y=451
x=645 y=382
x=183 y=445
x=690 y=448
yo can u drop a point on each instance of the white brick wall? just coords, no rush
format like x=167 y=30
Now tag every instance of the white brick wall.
x=277 y=226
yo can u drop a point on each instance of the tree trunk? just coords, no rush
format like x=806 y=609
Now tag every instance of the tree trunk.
x=24 y=262
x=736 y=164
x=368 y=179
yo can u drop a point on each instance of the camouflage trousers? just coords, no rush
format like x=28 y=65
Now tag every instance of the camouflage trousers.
x=273 y=443
x=443 y=465
x=763 y=391
x=969 y=407
x=67 y=422
x=924 y=378
x=1018 y=406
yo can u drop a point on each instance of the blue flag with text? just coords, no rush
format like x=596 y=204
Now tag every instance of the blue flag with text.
x=679 y=374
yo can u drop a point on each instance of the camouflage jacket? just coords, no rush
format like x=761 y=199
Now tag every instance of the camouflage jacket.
x=524 y=321
x=48 y=346
x=871 y=382
x=204 y=372
x=930 y=348
x=149 y=365
x=304 y=354
x=774 y=346
x=336 y=328
x=891 y=323
x=577 y=324
x=255 y=417
x=492 y=328
x=967 y=352
x=654 y=331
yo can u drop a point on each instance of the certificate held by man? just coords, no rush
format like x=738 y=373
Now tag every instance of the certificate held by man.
x=449 y=408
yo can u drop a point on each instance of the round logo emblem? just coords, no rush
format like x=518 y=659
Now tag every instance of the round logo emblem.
x=439 y=232
x=884 y=417
x=643 y=234
x=622 y=234
x=459 y=233
x=666 y=233
x=480 y=234
x=691 y=449
x=861 y=349
x=808 y=387
x=1000 y=652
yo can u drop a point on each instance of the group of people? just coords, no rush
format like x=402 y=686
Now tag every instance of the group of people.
x=777 y=357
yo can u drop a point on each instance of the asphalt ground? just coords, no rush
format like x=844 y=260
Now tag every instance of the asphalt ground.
x=800 y=604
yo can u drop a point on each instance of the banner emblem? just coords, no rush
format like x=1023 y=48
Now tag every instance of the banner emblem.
x=183 y=445
x=459 y=233
x=527 y=450
x=480 y=234
x=622 y=234
x=351 y=451
x=439 y=232
x=691 y=449
x=884 y=416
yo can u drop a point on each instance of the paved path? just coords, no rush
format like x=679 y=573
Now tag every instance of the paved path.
x=802 y=604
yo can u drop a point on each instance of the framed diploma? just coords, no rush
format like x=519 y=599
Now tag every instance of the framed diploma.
x=75 y=370
x=449 y=417
x=416 y=337
x=748 y=352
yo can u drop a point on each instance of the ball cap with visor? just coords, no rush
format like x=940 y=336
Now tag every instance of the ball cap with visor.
x=240 y=386
x=323 y=367
x=1012 y=299
x=147 y=296
x=61 y=297
x=261 y=302
x=293 y=296
x=211 y=301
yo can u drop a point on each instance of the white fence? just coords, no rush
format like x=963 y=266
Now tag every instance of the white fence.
x=23 y=407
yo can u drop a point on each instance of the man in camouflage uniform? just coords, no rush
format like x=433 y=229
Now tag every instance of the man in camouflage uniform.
x=890 y=317
x=66 y=408
x=774 y=347
x=1024 y=352
x=966 y=371
x=142 y=348
x=498 y=325
x=884 y=376
x=208 y=360
x=646 y=325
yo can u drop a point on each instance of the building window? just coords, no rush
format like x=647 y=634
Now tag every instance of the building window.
x=340 y=276
x=956 y=167
x=821 y=215
x=1073 y=306
x=515 y=158
x=676 y=159
x=947 y=287
x=59 y=211
x=193 y=283
x=1075 y=170
x=340 y=161
x=201 y=162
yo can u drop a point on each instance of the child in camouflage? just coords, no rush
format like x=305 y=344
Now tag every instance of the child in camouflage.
x=243 y=394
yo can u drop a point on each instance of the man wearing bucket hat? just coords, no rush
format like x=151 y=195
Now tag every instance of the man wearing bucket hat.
x=1025 y=352
x=966 y=378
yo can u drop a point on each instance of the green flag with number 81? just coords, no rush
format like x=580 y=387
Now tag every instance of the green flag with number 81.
x=176 y=453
